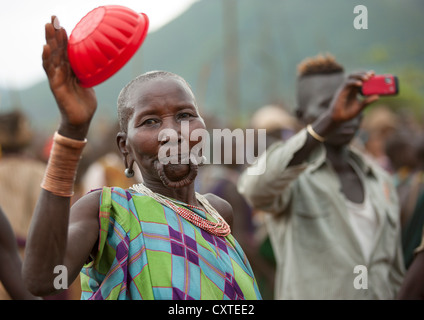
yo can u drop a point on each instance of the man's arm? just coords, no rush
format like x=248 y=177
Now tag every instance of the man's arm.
x=269 y=191
x=11 y=263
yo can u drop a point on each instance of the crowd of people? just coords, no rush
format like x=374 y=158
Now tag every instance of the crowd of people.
x=336 y=214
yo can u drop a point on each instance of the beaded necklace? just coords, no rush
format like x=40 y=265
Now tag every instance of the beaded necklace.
x=219 y=228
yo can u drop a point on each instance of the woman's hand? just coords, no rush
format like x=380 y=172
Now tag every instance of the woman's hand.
x=346 y=105
x=77 y=105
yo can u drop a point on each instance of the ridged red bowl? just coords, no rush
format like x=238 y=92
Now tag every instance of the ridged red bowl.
x=103 y=41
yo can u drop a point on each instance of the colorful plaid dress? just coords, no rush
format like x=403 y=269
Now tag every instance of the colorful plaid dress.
x=147 y=251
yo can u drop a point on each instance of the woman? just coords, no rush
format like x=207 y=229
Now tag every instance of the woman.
x=156 y=240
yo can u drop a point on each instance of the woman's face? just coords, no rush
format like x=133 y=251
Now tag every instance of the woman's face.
x=162 y=105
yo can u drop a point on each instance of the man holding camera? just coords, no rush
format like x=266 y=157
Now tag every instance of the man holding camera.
x=333 y=213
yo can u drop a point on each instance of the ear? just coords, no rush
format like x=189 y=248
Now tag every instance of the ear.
x=121 y=140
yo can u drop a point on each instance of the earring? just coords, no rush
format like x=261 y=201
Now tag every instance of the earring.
x=129 y=173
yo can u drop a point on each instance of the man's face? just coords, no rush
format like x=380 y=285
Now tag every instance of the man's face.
x=315 y=94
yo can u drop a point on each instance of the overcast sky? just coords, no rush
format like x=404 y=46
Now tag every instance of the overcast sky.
x=22 y=30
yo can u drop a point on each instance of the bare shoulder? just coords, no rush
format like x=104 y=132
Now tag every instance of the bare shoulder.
x=84 y=227
x=87 y=206
x=223 y=207
x=84 y=216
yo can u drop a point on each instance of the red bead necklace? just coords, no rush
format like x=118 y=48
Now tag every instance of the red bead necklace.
x=219 y=228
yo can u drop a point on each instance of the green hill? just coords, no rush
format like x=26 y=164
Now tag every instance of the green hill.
x=271 y=37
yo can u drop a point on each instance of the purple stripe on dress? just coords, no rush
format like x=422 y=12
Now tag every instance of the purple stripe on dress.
x=122 y=249
x=174 y=234
x=190 y=242
x=129 y=196
x=208 y=237
x=193 y=257
x=97 y=295
x=177 y=294
x=177 y=249
x=122 y=256
x=221 y=244
x=232 y=289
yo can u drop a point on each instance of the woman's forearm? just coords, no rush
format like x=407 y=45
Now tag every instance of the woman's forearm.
x=46 y=243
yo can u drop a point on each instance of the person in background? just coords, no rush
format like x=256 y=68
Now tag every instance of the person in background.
x=378 y=125
x=332 y=213
x=277 y=121
x=11 y=263
x=406 y=152
x=20 y=176
x=280 y=125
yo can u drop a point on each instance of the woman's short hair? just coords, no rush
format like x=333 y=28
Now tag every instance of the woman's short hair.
x=125 y=110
